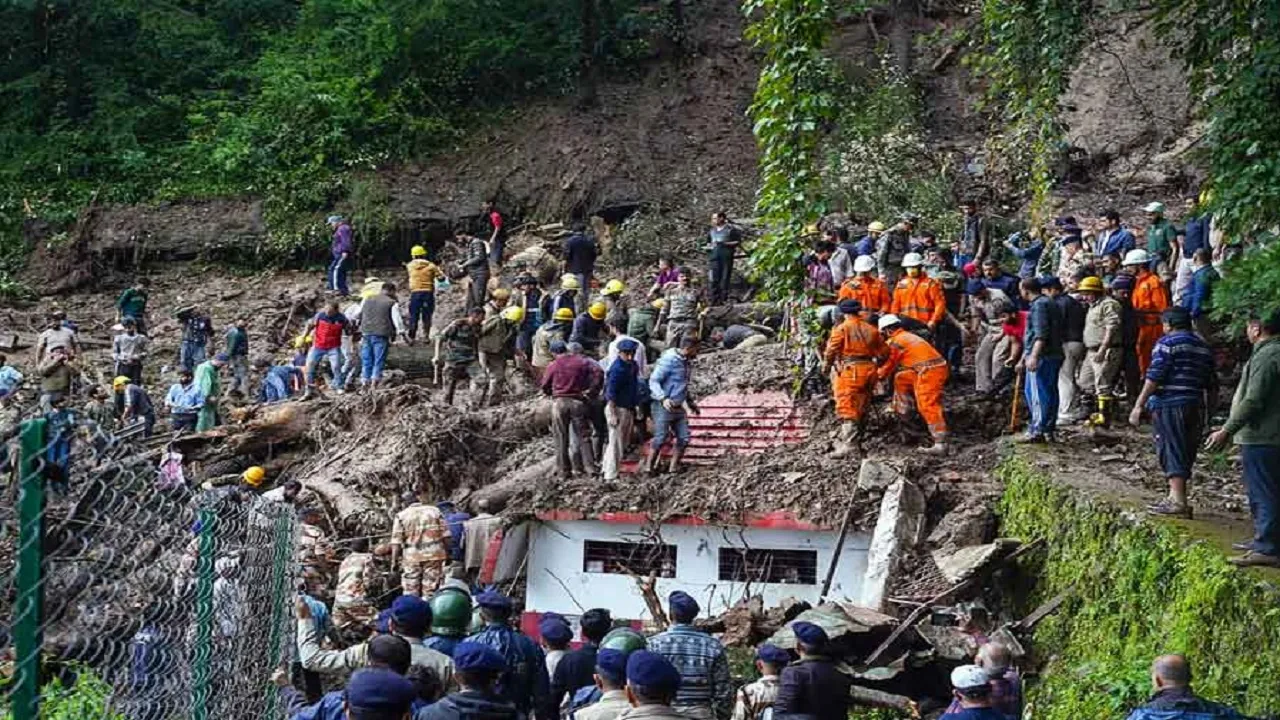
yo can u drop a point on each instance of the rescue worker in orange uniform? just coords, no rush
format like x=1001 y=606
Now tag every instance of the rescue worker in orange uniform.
x=917 y=295
x=865 y=287
x=1149 y=299
x=853 y=350
x=918 y=371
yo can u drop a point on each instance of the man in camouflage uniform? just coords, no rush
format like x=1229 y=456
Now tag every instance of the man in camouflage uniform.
x=754 y=698
x=351 y=597
x=683 y=309
x=313 y=554
x=419 y=544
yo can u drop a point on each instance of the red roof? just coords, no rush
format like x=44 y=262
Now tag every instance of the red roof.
x=747 y=423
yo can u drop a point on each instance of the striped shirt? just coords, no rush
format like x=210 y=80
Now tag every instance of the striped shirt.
x=703 y=666
x=1182 y=365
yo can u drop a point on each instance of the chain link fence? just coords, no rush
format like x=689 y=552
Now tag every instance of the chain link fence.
x=128 y=594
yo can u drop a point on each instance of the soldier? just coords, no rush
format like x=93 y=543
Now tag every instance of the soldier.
x=351 y=597
x=421 y=533
x=754 y=698
x=314 y=555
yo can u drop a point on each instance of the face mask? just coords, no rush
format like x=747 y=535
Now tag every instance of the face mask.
x=913 y=272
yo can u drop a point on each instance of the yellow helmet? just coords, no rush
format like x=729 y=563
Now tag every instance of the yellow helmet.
x=876 y=226
x=301 y=341
x=570 y=282
x=254 y=475
x=120 y=381
x=614 y=287
x=659 y=303
x=1091 y=284
x=502 y=294
x=515 y=314
x=811 y=229
x=597 y=310
x=563 y=314
x=418 y=251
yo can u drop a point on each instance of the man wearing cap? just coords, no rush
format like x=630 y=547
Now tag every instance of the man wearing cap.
x=556 y=329
x=972 y=691
x=853 y=351
x=423 y=275
x=724 y=240
x=578 y=668
x=524 y=681
x=705 y=691
x=610 y=677
x=1122 y=290
x=1042 y=360
x=409 y=618
x=1074 y=258
x=388 y=655
x=1162 y=242
x=870 y=292
x=919 y=375
x=556 y=634
x=654 y=685
x=622 y=394
x=1103 y=354
x=986 y=315
x=1150 y=298
x=134 y=404
x=812 y=686
x=754 y=698
x=1073 y=318
x=419 y=536
x=129 y=349
x=340 y=251
x=480 y=670
x=1180 y=384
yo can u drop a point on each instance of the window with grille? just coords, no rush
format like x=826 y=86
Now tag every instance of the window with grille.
x=788 y=567
x=624 y=558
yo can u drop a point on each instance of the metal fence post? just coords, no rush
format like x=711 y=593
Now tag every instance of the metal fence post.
x=203 y=652
x=281 y=605
x=28 y=633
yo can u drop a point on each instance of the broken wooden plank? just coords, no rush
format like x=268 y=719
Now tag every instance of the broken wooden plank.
x=879 y=698
x=1040 y=613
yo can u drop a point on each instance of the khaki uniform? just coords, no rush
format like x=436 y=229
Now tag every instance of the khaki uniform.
x=313 y=557
x=611 y=704
x=654 y=712
x=1101 y=365
x=421 y=533
x=357 y=656
x=351 y=597
x=754 y=698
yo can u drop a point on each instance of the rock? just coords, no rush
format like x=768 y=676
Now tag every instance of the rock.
x=877 y=475
x=960 y=565
x=949 y=642
x=971 y=523
x=898 y=530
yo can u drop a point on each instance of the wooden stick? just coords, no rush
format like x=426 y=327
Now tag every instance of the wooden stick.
x=835 y=556
x=1017 y=396
x=879 y=698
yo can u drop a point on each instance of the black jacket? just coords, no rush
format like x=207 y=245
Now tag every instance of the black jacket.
x=469 y=705
x=576 y=669
x=812 y=688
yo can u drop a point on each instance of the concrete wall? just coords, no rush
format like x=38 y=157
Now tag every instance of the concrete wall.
x=556 y=551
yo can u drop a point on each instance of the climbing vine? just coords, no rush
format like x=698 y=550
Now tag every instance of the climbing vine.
x=794 y=103
x=1025 y=50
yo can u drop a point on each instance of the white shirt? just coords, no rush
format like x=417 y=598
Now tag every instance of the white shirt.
x=641 y=360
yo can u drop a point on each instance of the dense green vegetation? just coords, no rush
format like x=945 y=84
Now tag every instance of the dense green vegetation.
x=132 y=100
x=1137 y=589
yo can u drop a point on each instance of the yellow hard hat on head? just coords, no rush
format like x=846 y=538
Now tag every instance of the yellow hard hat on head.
x=659 y=303
x=501 y=294
x=254 y=475
x=597 y=310
x=515 y=314
x=811 y=229
x=1091 y=284
x=570 y=282
x=563 y=314
x=876 y=226
x=614 y=287
x=418 y=251
x=120 y=381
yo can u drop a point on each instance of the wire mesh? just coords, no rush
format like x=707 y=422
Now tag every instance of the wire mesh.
x=138 y=596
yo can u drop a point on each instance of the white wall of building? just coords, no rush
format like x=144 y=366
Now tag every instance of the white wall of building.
x=556 y=551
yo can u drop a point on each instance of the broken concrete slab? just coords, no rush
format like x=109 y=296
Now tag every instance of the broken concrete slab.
x=898 y=530
x=973 y=522
x=877 y=475
x=960 y=565
x=948 y=641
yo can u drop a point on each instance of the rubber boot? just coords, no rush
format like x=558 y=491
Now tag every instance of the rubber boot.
x=449 y=387
x=844 y=440
x=676 y=457
x=1102 y=418
x=939 y=446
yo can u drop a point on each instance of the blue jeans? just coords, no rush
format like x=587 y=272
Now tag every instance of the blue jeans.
x=667 y=422
x=334 y=356
x=422 y=305
x=1041 y=391
x=1262 y=483
x=373 y=355
x=191 y=354
x=336 y=277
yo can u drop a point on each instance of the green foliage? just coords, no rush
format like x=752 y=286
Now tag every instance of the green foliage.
x=1249 y=285
x=135 y=101
x=1137 y=589
x=89 y=697
x=879 y=164
x=1025 y=50
x=794 y=103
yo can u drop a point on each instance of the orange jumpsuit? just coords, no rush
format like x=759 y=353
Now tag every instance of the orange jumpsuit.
x=869 y=291
x=920 y=298
x=922 y=373
x=853 y=349
x=1150 y=298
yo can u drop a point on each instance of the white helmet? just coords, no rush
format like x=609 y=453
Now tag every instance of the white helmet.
x=1136 y=257
x=888 y=320
x=912 y=260
x=864 y=263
